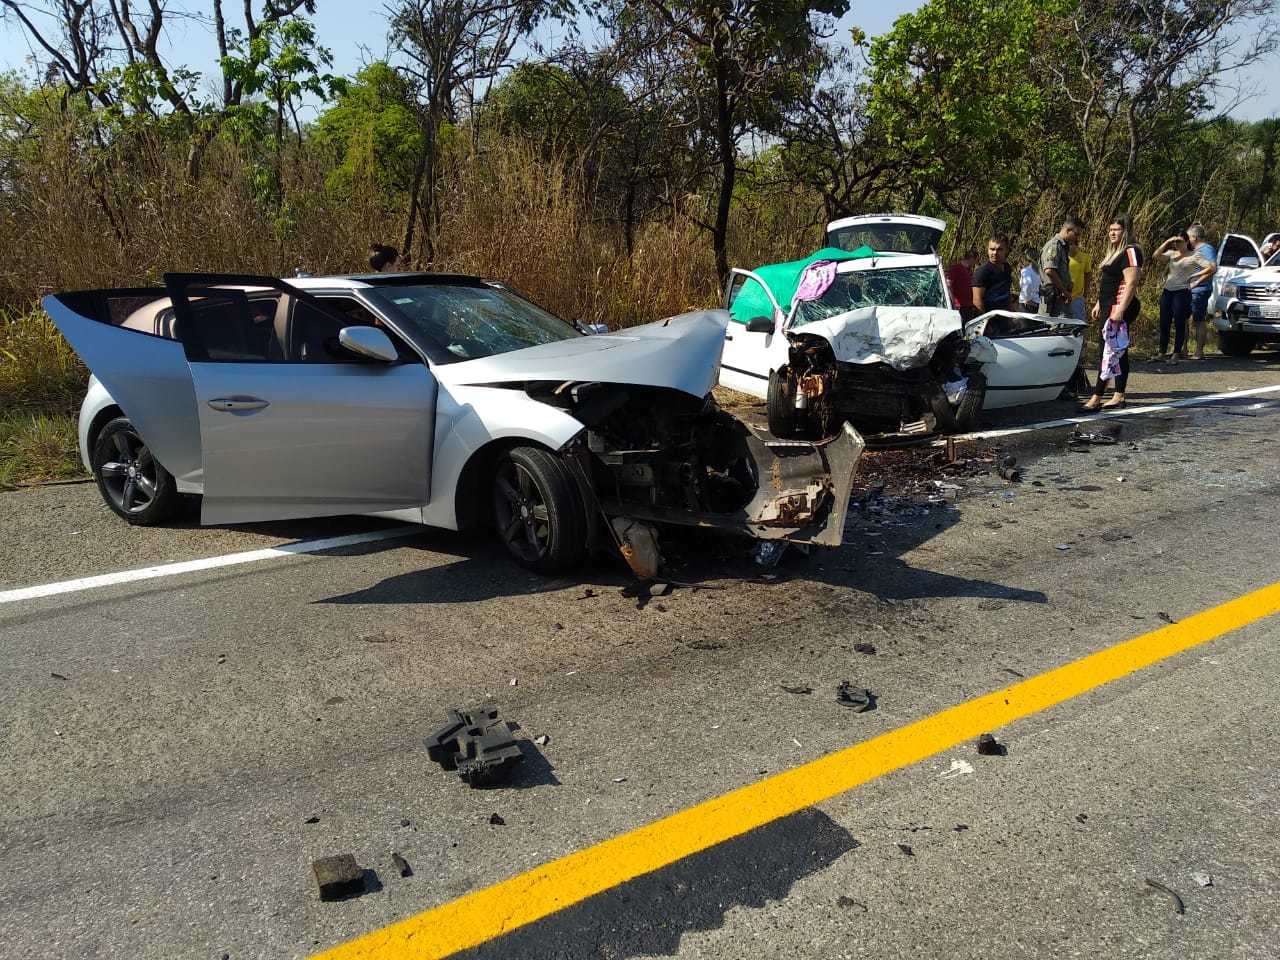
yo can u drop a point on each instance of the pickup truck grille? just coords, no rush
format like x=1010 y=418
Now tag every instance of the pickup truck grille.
x=1259 y=293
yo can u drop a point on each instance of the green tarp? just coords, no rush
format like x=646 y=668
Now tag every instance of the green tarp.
x=783 y=279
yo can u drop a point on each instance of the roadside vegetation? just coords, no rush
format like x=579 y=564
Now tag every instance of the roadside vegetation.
x=614 y=182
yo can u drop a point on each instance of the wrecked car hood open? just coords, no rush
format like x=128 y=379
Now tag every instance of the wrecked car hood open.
x=680 y=353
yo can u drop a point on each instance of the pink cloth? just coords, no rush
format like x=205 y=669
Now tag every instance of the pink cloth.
x=815 y=280
x=1115 y=341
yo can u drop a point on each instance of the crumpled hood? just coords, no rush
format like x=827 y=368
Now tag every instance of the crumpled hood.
x=681 y=353
x=903 y=337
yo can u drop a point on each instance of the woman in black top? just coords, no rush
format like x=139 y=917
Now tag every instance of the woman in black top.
x=1117 y=306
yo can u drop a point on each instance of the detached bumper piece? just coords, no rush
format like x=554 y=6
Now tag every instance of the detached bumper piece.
x=476 y=744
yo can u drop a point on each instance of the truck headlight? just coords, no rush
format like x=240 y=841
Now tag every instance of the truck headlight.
x=1229 y=290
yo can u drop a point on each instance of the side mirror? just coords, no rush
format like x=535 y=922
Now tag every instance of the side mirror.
x=1249 y=262
x=368 y=342
x=759 y=325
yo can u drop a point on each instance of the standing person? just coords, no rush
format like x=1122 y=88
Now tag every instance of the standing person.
x=1175 y=298
x=1029 y=283
x=1201 y=285
x=960 y=282
x=1117 y=307
x=1081 y=272
x=1055 y=269
x=993 y=280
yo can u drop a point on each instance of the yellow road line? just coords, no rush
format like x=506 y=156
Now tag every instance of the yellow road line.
x=488 y=913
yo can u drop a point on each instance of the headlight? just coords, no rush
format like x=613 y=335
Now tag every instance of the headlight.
x=1229 y=290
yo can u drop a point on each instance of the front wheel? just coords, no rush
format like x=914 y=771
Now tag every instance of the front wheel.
x=538 y=510
x=781 y=403
x=1234 y=344
x=970 y=405
x=130 y=479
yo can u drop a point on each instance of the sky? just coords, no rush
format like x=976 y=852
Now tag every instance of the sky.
x=356 y=34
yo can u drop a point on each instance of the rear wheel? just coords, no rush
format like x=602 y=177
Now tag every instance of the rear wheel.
x=130 y=479
x=781 y=403
x=538 y=510
x=1235 y=344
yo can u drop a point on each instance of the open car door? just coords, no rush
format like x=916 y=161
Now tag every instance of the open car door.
x=1237 y=255
x=750 y=355
x=291 y=423
x=1035 y=356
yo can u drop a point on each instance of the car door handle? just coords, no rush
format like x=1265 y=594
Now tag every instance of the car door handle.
x=237 y=404
x=1062 y=352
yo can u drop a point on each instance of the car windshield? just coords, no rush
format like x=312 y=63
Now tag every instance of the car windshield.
x=892 y=287
x=456 y=322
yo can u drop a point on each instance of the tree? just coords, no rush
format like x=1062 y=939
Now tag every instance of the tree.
x=1137 y=73
x=375 y=131
x=739 y=66
x=281 y=62
x=449 y=46
x=955 y=90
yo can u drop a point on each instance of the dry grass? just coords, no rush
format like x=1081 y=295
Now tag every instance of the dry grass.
x=37 y=366
x=37 y=446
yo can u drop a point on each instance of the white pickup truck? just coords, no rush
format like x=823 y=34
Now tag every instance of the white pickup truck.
x=1246 y=302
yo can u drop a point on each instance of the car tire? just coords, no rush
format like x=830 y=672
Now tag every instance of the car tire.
x=970 y=406
x=1233 y=344
x=538 y=510
x=132 y=482
x=781 y=403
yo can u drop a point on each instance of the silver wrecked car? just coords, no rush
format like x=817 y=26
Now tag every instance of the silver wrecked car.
x=436 y=399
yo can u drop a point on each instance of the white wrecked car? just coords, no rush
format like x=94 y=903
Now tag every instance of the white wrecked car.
x=434 y=399
x=873 y=338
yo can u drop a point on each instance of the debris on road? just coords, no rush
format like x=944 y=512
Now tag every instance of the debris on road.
x=799 y=690
x=495 y=819
x=476 y=744
x=864 y=647
x=1177 y=900
x=988 y=746
x=311 y=820
x=338 y=877
x=855 y=698
x=57 y=676
x=906 y=849
x=769 y=552
x=542 y=739
x=1203 y=879
x=401 y=864
x=1007 y=469
x=1100 y=438
x=1165 y=617
x=1062 y=546
x=959 y=768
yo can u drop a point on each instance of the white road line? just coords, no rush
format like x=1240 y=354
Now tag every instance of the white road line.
x=209 y=563
x=1112 y=414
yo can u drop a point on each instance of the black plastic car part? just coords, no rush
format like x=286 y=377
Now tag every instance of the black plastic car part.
x=476 y=744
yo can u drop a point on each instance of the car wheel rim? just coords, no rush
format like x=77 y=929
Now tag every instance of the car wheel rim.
x=524 y=522
x=130 y=478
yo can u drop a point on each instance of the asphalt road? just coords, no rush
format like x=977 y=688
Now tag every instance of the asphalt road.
x=178 y=751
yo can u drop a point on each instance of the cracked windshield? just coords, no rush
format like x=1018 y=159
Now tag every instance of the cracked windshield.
x=898 y=287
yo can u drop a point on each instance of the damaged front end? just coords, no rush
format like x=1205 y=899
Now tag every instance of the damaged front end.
x=655 y=456
x=887 y=403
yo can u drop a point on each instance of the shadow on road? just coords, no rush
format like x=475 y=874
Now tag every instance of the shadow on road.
x=649 y=915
